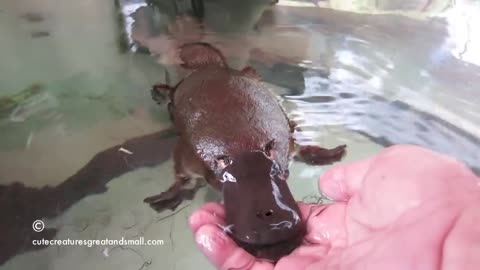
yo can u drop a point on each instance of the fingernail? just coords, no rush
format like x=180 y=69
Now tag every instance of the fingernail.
x=317 y=209
x=211 y=239
x=204 y=242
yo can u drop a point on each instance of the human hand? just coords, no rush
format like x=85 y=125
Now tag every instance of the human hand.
x=404 y=208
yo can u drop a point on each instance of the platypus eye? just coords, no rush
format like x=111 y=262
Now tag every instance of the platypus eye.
x=275 y=170
x=222 y=161
x=269 y=147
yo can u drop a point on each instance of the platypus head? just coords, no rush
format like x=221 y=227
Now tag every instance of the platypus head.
x=261 y=213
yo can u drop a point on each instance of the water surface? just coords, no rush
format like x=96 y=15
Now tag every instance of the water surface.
x=74 y=90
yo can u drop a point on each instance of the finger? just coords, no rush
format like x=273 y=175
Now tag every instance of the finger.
x=307 y=209
x=327 y=227
x=210 y=213
x=342 y=181
x=403 y=164
x=462 y=244
x=215 y=208
x=223 y=253
x=314 y=251
x=298 y=262
x=325 y=224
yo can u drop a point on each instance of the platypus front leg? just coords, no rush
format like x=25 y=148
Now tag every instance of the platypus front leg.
x=184 y=188
x=312 y=154
x=162 y=93
x=316 y=155
x=188 y=174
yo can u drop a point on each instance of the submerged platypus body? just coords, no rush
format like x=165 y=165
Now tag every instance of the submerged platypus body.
x=234 y=133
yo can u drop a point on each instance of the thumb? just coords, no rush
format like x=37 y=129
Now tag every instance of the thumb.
x=342 y=181
x=223 y=253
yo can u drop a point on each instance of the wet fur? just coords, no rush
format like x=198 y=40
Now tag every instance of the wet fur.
x=221 y=113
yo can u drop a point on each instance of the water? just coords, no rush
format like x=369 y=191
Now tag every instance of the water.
x=82 y=143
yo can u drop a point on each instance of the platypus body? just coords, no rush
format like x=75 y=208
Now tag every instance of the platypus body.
x=234 y=133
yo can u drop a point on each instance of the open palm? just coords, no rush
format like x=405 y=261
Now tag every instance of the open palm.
x=404 y=208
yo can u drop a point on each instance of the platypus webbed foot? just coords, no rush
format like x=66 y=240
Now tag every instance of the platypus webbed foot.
x=183 y=188
x=164 y=201
x=316 y=155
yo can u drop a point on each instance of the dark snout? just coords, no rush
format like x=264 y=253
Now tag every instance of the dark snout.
x=267 y=223
x=266 y=218
x=261 y=213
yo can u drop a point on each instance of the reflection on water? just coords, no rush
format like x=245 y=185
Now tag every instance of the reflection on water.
x=74 y=88
x=387 y=122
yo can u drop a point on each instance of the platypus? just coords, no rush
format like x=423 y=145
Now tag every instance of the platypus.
x=234 y=133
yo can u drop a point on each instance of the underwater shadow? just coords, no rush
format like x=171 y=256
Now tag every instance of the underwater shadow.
x=21 y=206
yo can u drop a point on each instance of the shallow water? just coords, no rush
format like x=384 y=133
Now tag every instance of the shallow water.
x=74 y=90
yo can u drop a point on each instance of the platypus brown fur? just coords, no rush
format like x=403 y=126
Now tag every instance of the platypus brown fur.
x=234 y=133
